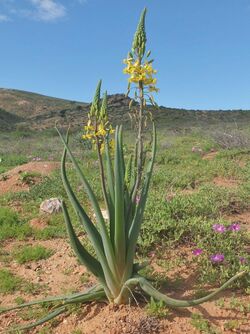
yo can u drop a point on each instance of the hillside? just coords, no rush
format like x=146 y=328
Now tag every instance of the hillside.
x=25 y=109
x=20 y=109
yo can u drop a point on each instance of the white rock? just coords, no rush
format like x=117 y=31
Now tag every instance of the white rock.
x=52 y=205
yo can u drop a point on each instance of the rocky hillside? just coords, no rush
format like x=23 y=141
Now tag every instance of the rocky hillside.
x=24 y=109
x=21 y=110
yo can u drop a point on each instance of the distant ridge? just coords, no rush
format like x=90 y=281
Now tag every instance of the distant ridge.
x=21 y=109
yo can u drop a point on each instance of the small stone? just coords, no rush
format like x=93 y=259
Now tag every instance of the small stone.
x=52 y=205
x=36 y=267
x=196 y=149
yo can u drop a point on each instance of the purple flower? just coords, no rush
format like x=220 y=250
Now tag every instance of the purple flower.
x=217 y=258
x=234 y=227
x=197 y=251
x=242 y=260
x=219 y=228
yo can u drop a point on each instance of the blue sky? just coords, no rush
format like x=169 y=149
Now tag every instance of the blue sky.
x=62 y=48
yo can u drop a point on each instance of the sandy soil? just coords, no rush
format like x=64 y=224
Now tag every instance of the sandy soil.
x=224 y=182
x=11 y=181
x=61 y=274
x=210 y=155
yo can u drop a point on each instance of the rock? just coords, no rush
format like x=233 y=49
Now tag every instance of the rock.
x=52 y=205
x=196 y=149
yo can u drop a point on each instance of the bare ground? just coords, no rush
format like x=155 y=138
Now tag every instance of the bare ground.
x=61 y=274
x=11 y=181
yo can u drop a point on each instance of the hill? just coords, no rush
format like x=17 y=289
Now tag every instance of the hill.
x=20 y=109
x=25 y=109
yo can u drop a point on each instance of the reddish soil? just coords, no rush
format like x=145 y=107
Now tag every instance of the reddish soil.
x=242 y=218
x=62 y=274
x=209 y=156
x=39 y=223
x=11 y=180
x=171 y=195
x=223 y=182
x=241 y=163
x=188 y=191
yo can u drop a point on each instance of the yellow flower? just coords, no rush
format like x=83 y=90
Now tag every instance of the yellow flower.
x=127 y=60
x=98 y=126
x=153 y=89
x=88 y=136
x=88 y=128
x=101 y=131
x=140 y=72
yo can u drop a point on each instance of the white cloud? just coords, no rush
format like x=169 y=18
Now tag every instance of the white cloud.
x=40 y=10
x=4 y=18
x=47 y=10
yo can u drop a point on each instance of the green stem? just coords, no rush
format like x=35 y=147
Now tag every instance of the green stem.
x=139 y=142
x=50 y=316
x=102 y=176
x=52 y=299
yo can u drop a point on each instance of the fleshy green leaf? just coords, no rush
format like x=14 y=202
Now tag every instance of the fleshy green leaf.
x=83 y=255
x=120 y=249
x=99 y=218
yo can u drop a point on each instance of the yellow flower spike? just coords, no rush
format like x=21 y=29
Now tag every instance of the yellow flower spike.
x=140 y=72
x=88 y=128
x=88 y=136
x=101 y=131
